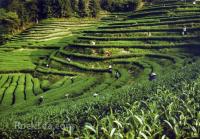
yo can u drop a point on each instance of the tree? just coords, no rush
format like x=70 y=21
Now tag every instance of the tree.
x=74 y=5
x=82 y=8
x=65 y=8
x=137 y=4
x=4 y=3
x=106 y=4
x=45 y=9
x=33 y=10
x=18 y=6
x=94 y=8
x=9 y=21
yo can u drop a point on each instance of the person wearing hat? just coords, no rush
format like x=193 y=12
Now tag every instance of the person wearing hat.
x=40 y=100
x=68 y=59
x=47 y=65
x=95 y=95
x=110 y=68
x=93 y=43
x=152 y=76
x=72 y=79
x=117 y=74
x=184 y=30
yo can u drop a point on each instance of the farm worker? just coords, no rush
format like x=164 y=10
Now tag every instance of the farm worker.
x=66 y=95
x=108 y=53
x=194 y=2
x=95 y=95
x=41 y=99
x=117 y=75
x=149 y=34
x=47 y=65
x=116 y=16
x=36 y=21
x=72 y=79
x=184 y=30
x=152 y=76
x=93 y=43
x=68 y=59
x=110 y=68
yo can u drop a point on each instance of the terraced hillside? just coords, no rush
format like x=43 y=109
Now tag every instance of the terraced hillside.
x=97 y=80
x=26 y=49
x=153 y=42
x=50 y=33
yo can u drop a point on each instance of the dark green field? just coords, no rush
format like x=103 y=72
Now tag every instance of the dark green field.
x=55 y=80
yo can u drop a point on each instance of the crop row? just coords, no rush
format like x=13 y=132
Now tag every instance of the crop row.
x=79 y=66
x=18 y=87
x=91 y=57
x=164 y=56
x=153 y=24
x=158 y=20
x=141 y=30
x=152 y=13
x=65 y=89
x=145 y=46
x=161 y=38
x=55 y=71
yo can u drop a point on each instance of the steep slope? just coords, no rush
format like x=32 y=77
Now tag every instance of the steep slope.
x=162 y=38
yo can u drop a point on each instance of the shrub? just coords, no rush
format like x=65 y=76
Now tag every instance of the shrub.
x=120 y=5
x=3 y=80
x=59 y=83
x=29 y=91
x=8 y=96
x=80 y=66
x=45 y=84
x=19 y=94
x=153 y=24
x=36 y=86
x=91 y=57
x=145 y=46
x=55 y=71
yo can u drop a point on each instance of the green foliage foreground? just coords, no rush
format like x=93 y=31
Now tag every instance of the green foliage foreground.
x=166 y=108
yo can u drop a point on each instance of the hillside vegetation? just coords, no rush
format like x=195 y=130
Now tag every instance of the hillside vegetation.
x=91 y=78
x=17 y=15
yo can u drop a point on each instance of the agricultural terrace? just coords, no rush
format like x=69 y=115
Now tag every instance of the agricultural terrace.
x=95 y=75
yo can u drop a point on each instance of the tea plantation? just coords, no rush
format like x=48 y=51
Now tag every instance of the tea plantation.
x=86 y=78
